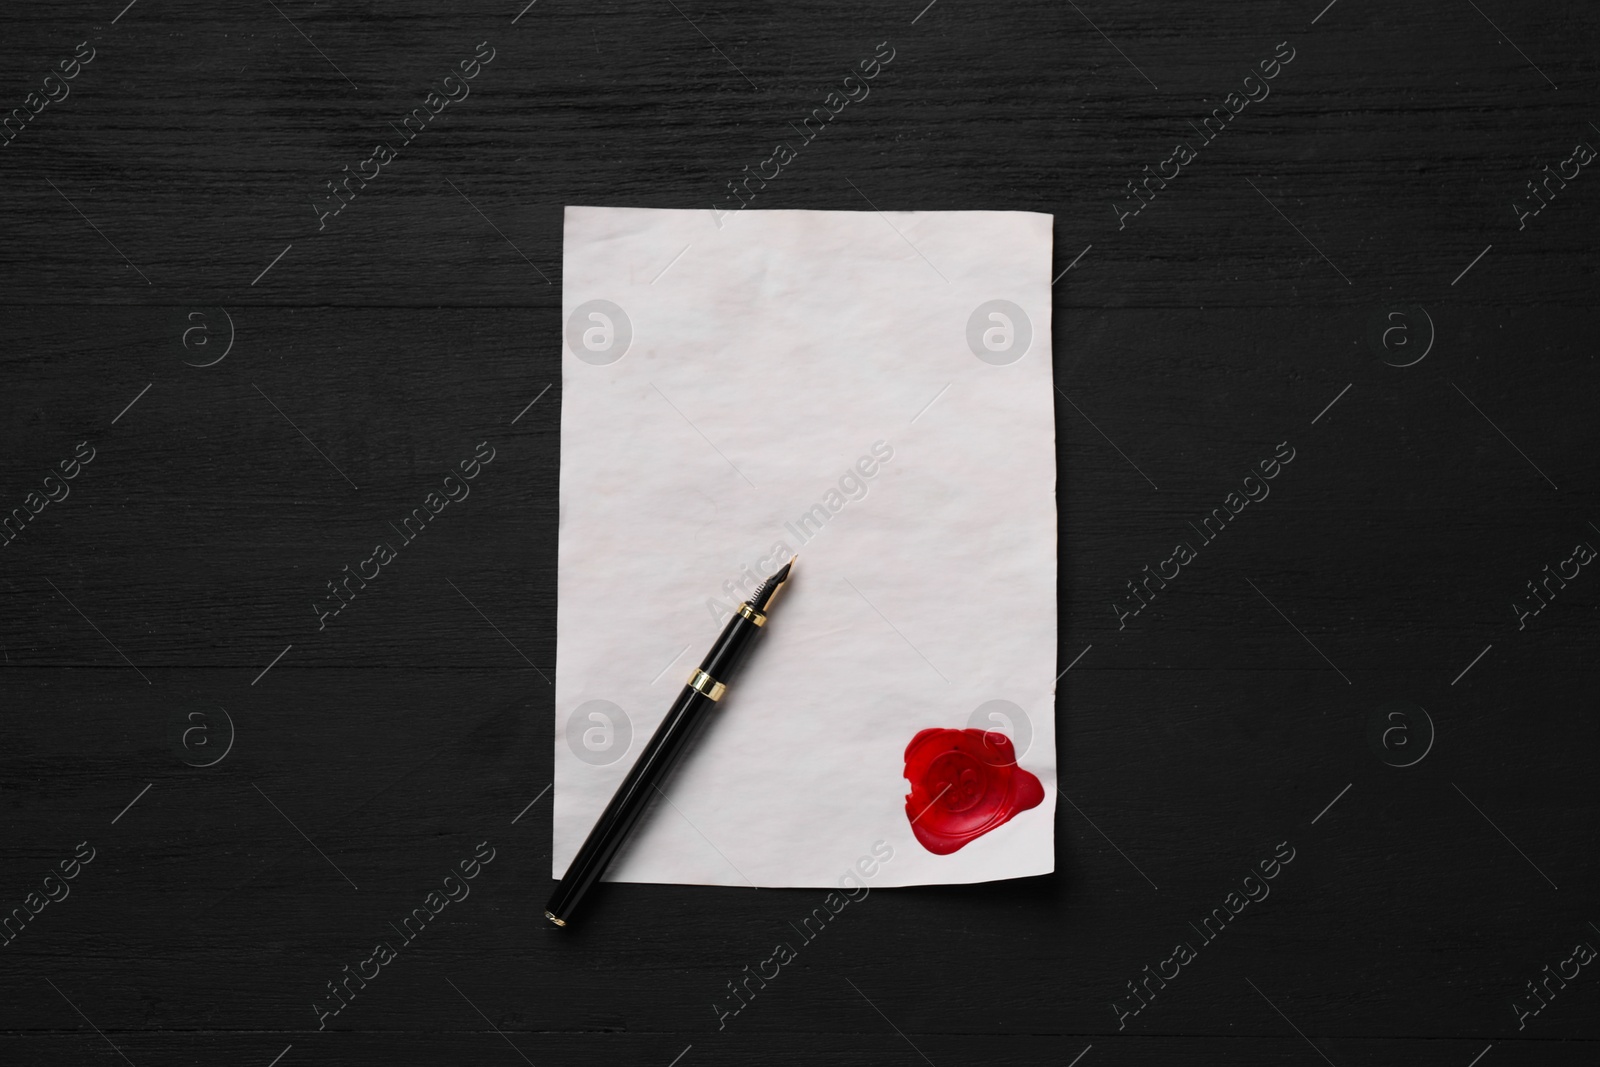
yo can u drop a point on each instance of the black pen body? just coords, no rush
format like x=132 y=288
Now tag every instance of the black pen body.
x=666 y=748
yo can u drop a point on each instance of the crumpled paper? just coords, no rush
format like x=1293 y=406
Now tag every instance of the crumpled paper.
x=871 y=391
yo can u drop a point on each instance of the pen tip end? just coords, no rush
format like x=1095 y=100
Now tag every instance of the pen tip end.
x=764 y=593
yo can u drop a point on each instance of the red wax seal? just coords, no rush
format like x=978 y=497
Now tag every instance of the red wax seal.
x=964 y=783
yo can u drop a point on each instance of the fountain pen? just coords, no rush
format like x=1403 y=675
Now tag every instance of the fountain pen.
x=666 y=748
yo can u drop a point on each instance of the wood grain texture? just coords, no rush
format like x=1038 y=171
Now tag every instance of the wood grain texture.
x=1235 y=312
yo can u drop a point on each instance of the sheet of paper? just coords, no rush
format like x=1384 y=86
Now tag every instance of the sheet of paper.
x=871 y=391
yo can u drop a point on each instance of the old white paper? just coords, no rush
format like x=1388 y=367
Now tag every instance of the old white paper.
x=727 y=383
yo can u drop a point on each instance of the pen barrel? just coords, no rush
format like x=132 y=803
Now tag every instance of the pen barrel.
x=732 y=647
x=649 y=773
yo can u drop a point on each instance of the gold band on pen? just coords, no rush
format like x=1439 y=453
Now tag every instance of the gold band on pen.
x=752 y=614
x=701 y=682
x=552 y=918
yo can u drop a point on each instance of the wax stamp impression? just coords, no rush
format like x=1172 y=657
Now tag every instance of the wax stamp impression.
x=964 y=783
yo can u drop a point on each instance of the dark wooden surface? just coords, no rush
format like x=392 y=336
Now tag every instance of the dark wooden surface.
x=1223 y=720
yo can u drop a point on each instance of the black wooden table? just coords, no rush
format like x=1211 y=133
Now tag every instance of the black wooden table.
x=1361 y=233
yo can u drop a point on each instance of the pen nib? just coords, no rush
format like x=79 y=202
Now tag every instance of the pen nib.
x=768 y=589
